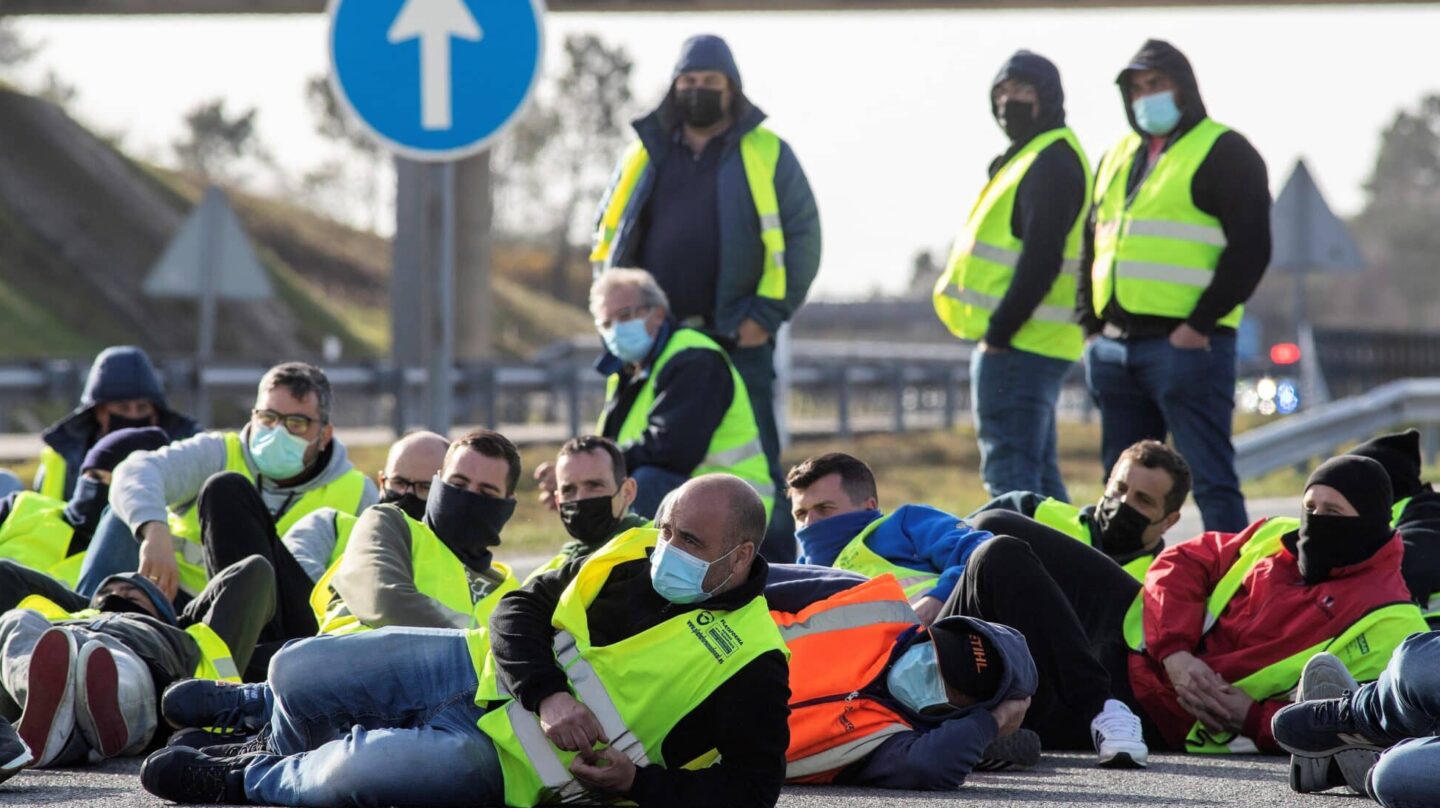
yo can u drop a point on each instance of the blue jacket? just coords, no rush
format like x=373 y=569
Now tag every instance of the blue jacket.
x=935 y=754
x=915 y=536
x=742 y=255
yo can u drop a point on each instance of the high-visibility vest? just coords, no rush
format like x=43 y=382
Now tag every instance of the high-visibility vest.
x=215 y=660
x=1155 y=251
x=639 y=687
x=439 y=574
x=840 y=646
x=1068 y=519
x=52 y=483
x=734 y=448
x=36 y=534
x=858 y=557
x=982 y=263
x=760 y=154
x=343 y=494
x=1365 y=647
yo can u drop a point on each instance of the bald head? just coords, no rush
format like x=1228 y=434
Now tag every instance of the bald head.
x=412 y=461
x=716 y=518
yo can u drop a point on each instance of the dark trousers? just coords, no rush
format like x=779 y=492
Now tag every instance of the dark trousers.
x=756 y=367
x=1070 y=602
x=235 y=524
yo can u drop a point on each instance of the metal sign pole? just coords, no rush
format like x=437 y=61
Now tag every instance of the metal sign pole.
x=209 y=287
x=442 y=358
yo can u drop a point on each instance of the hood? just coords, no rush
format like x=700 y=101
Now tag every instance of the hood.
x=335 y=467
x=1157 y=54
x=157 y=598
x=1399 y=453
x=702 y=52
x=1041 y=73
x=121 y=373
x=707 y=52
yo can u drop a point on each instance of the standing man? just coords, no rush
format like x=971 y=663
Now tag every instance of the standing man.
x=1178 y=240
x=717 y=208
x=1011 y=280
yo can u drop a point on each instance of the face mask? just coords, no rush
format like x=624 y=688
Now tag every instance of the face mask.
x=1324 y=543
x=680 y=577
x=629 y=341
x=86 y=503
x=1122 y=528
x=466 y=522
x=914 y=680
x=834 y=530
x=1017 y=118
x=121 y=604
x=277 y=454
x=119 y=422
x=1156 y=114
x=700 y=107
x=413 y=506
x=592 y=520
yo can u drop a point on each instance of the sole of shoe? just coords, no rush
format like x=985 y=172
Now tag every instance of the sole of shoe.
x=98 y=701
x=1124 y=760
x=1309 y=775
x=12 y=767
x=1019 y=750
x=49 y=714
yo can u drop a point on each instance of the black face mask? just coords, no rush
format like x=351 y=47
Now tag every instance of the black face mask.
x=1017 y=118
x=1324 y=543
x=413 y=506
x=1122 y=528
x=119 y=422
x=121 y=604
x=700 y=107
x=87 y=503
x=592 y=521
x=466 y=522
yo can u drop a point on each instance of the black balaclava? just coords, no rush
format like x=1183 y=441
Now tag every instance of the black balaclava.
x=1400 y=455
x=1040 y=73
x=412 y=505
x=1324 y=543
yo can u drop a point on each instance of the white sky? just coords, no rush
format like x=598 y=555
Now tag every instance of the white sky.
x=888 y=112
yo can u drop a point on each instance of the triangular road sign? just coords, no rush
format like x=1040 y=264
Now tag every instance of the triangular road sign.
x=1308 y=236
x=211 y=235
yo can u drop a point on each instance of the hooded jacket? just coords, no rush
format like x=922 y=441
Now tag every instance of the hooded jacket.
x=742 y=254
x=119 y=373
x=1231 y=184
x=1419 y=526
x=1273 y=616
x=1049 y=199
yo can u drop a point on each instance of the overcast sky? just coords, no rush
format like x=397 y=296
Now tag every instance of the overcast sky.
x=888 y=113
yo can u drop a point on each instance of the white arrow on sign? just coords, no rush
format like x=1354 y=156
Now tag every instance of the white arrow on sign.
x=434 y=22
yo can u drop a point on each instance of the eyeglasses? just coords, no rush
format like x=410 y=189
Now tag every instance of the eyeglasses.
x=401 y=485
x=624 y=315
x=295 y=423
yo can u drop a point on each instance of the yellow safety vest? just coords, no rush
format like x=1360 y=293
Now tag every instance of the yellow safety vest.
x=1365 y=647
x=858 y=557
x=36 y=534
x=760 y=154
x=734 y=448
x=215 y=660
x=639 y=687
x=982 y=263
x=438 y=574
x=343 y=494
x=1067 y=519
x=52 y=483
x=1155 y=251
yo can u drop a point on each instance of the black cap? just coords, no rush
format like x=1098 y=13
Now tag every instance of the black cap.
x=1399 y=453
x=109 y=451
x=969 y=661
x=1362 y=481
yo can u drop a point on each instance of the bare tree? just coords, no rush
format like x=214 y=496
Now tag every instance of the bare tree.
x=215 y=141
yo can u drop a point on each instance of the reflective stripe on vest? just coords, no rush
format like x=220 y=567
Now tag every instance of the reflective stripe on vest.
x=838 y=647
x=1154 y=249
x=35 y=533
x=639 y=687
x=52 y=483
x=343 y=494
x=858 y=557
x=760 y=155
x=734 y=448
x=982 y=263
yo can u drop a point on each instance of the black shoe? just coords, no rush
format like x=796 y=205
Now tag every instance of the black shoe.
x=200 y=738
x=1318 y=729
x=217 y=706
x=188 y=776
x=1018 y=750
x=258 y=745
x=14 y=754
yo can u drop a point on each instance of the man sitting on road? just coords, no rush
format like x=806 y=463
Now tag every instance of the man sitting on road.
x=836 y=508
x=1416 y=514
x=660 y=648
x=592 y=492
x=1142 y=501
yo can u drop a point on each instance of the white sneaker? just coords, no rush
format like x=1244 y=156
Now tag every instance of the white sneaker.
x=1119 y=738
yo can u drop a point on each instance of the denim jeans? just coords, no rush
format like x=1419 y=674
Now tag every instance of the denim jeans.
x=756 y=367
x=653 y=483
x=383 y=717
x=113 y=549
x=1148 y=388
x=9 y=483
x=1403 y=706
x=1014 y=394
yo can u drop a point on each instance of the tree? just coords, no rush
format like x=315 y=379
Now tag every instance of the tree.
x=336 y=125
x=15 y=49
x=215 y=140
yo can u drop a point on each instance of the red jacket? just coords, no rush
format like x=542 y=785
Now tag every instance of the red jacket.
x=1273 y=616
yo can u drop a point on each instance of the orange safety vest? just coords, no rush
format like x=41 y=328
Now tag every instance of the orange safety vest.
x=839 y=646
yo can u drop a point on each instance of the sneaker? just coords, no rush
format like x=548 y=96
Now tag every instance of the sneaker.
x=1119 y=737
x=1313 y=775
x=1018 y=750
x=97 y=701
x=49 y=716
x=14 y=754
x=258 y=745
x=217 y=706
x=190 y=776
x=200 y=738
x=1324 y=679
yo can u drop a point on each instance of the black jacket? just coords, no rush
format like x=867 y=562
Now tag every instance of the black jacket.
x=1419 y=526
x=745 y=719
x=1231 y=184
x=1049 y=198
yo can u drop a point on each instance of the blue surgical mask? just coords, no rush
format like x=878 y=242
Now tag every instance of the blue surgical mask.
x=628 y=341
x=278 y=454
x=1156 y=114
x=914 y=680
x=680 y=577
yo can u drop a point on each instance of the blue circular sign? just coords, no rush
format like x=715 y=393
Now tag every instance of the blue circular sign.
x=435 y=80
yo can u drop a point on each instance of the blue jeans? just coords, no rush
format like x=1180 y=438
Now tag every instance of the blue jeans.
x=756 y=367
x=9 y=483
x=113 y=549
x=1403 y=707
x=1013 y=394
x=1148 y=388
x=383 y=717
x=653 y=484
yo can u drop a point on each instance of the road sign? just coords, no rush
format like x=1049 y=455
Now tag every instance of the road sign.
x=435 y=80
x=1309 y=237
x=210 y=247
